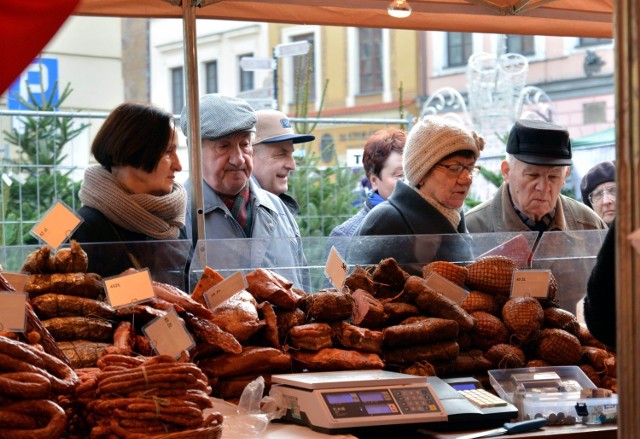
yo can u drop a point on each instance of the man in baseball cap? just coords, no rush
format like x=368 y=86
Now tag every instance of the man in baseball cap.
x=273 y=151
x=234 y=206
x=534 y=172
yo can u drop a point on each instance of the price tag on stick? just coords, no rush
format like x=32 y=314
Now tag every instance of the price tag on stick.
x=168 y=334
x=57 y=225
x=17 y=280
x=532 y=283
x=13 y=312
x=129 y=289
x=335 y=269
x=224 y=289
x=446 y=287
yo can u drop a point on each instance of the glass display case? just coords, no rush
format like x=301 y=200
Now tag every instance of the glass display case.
x=569 y=255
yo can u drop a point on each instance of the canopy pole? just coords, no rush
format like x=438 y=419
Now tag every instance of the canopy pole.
x=627 y=88
x=193 y=110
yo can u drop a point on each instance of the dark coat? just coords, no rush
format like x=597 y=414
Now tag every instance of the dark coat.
x=600 y=301
x=407 y=215
x=112 y=249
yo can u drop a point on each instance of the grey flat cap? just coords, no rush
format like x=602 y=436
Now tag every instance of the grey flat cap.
x=220 y=116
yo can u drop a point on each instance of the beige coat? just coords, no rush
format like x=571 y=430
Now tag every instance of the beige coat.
x=498 y=215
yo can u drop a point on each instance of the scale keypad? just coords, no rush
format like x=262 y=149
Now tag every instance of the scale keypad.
x=416 y=400
x=483 y=398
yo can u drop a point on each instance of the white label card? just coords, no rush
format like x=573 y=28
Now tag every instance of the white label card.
x=224 y=289
x=13 y=312
x=446 y=287
x=168 y=334
x=129 y=289
x=335 y=269
x=17 y=280
x=531 y=283
x=57 y=225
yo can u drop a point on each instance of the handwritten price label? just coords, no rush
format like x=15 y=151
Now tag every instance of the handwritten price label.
x=221 y=291
x=335 y=269
x=129 y=289
x=168 y=334
x=57 y=225
x=531 y=283
x=13 y=312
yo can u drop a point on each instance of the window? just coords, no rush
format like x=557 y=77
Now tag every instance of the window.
x=370 y=52
x=459 y=48
x=585 y=42
x=246 y=76
x=304 y=71
x=522 y=44
x=211 y=77
x=177 y=90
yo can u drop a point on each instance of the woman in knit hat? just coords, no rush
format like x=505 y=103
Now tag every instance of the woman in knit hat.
x=439 y=162
x=132 y=195
x=598 y=188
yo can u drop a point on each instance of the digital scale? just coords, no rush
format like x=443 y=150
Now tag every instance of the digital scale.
x=345 y=401
x=335 y=401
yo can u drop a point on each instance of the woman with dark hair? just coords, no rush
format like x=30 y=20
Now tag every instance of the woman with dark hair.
x=382 y=161
x=132 y=194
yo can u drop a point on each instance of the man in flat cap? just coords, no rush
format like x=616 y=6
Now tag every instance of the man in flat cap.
x=534 y=172
x=273 y=153
x=234 y=206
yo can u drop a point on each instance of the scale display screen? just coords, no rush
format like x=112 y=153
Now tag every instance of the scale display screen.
x=383 y=402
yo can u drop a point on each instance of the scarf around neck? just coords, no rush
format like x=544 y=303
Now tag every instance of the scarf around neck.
x=452 y=215
x=159 y=217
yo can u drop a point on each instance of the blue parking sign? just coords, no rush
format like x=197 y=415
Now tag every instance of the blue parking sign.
x=39 y=78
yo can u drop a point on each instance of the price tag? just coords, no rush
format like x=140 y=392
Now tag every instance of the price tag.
x=224 y=289
x=168 y=334
x=17 y=280
x=335 y=269
x=57 y=225
x=129 y=289
x=13 y=312
x=446 y=287
x=531 y=283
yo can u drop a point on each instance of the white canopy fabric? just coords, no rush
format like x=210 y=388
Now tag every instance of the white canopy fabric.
x=585 y=18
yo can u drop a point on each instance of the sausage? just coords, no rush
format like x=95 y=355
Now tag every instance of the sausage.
x=72 y=259
x=54 y=417
x=429 y=330
x=79 y=328
x=252 y=360
x=24 y=385
x=74 y=284
x=60 y=305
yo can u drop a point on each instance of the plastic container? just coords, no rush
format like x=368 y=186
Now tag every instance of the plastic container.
x=550 y=392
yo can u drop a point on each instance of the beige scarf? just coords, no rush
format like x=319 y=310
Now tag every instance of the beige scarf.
x=159 y=217
x=452 y=215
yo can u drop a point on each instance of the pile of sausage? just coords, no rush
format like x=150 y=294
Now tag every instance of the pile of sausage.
x=135 y=397
x=30 y=382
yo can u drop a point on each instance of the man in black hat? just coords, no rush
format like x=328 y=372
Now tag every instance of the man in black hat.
x=534 y=172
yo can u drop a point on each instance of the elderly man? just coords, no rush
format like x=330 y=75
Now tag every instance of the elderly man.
x=234 y=206
x=273 y=153
x=536 y=167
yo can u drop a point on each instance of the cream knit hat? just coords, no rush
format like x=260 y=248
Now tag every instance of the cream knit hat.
x=432 y=139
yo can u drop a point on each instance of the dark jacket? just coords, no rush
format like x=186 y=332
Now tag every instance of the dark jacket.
x=600 y=301
x=112 y=249
x=406 y=213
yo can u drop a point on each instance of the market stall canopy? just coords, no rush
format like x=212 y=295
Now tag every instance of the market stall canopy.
x=585 y=18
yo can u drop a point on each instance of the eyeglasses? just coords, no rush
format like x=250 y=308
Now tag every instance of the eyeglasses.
x=597 y=197
x=456 y=170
